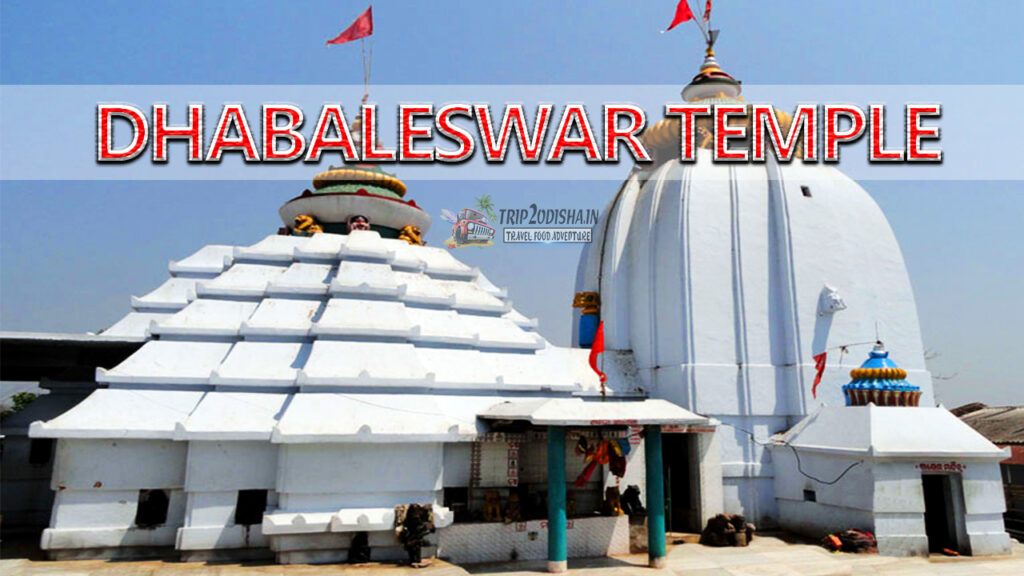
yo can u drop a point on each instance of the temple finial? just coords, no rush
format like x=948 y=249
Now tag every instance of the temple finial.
x=712 y=37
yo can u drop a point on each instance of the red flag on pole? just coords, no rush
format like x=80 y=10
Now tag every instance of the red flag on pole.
x=360 y=28
x=819 y=366
x=707 y=12
x=683 y=14
x=596 y=349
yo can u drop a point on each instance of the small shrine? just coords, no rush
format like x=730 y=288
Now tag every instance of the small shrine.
x=916 y=477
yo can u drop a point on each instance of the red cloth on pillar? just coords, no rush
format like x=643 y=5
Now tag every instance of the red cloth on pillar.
x=819 y=366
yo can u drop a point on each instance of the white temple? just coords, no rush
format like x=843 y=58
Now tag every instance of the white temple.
x=720 y=283
x=292 y=393
x=719 y=280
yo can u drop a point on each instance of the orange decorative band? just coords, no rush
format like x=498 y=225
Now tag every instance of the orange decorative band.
x=878 y=374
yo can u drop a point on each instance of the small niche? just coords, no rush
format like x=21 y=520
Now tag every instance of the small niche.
x=39 y=451
x=806 y=191
x=250 y=507
x=810 y=496
x=152 y=508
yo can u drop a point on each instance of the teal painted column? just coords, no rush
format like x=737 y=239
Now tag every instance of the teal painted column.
x=655 y=497
x=556 y=500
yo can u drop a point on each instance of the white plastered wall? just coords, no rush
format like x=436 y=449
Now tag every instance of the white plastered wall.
x=97 y=485
x=328 y=477
x=840 y=506
x=216 y=472
x=321 y=479
x=985 y=504
x=885 y=498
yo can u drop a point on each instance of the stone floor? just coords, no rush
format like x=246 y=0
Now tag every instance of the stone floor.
x=766 y=556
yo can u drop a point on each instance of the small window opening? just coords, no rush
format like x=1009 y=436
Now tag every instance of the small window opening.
x=152 y=509
x=810 y=496
x=39 y=451
x=359 y=551
x=456 y=499
x=250 y=507
x=806 y=191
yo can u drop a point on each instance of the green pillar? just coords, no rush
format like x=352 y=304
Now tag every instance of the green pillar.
x=655 y=497
x=556 y=500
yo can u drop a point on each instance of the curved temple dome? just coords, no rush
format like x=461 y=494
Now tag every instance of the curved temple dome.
x=715 y=279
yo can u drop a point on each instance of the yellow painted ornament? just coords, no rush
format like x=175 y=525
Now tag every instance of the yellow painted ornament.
x=413 y=235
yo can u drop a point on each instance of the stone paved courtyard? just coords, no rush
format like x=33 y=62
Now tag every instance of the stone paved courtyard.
x=766 y=556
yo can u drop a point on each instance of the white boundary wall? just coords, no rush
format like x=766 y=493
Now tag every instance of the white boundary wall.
x=587 y=537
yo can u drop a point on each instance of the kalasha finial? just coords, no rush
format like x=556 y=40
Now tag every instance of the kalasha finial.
x=712 y=82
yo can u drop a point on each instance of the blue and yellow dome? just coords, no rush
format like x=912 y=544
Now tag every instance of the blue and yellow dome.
x=881 y=382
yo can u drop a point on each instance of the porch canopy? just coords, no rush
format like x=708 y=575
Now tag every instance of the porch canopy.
x=559 y=414
x=578 y=412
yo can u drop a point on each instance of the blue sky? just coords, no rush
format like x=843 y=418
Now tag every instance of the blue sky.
x=72 y=252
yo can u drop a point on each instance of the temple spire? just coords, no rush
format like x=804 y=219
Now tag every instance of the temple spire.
x=712 y=82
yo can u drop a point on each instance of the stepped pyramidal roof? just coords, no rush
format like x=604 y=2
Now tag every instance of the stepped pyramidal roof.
x=321 y=338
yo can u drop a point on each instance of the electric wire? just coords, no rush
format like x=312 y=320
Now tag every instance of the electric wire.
x=796 y=454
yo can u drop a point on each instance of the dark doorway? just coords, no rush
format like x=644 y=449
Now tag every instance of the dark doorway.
x=942 y=502
x=682 y=512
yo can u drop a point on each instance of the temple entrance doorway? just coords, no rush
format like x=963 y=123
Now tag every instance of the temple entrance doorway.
x=682 y=483
x=944 y=513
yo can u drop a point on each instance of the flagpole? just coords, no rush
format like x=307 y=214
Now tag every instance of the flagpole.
x=697 y=22
x=366 y=70
x=369 y=68
x=603 y=389
x=360 y=28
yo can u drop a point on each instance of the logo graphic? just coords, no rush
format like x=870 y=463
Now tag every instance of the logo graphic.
x=533 y=225
x=472 y=227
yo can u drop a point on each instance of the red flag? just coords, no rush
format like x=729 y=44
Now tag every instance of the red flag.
x=819 y=366
x=361 y=28
x=596 y=349
x=707 y=12
x=683 y=14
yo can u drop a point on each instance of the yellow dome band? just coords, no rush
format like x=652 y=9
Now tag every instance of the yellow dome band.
x=355 y=175
x=878 y=374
